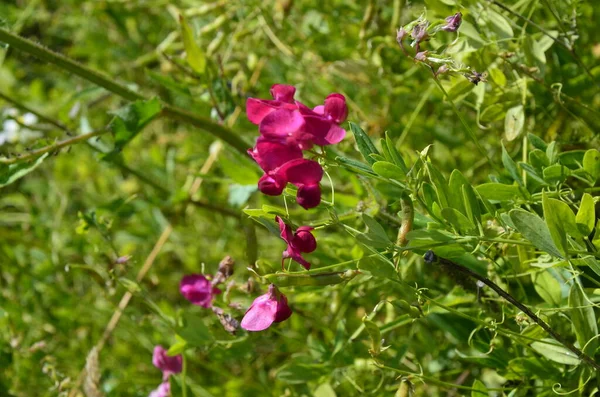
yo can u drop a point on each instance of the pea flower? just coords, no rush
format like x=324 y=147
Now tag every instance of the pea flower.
x=198 y=290
x=267 y=309
x=419 y=34
x=168 y=365
x=163 y=390
x=453 y=22
x=302 y=241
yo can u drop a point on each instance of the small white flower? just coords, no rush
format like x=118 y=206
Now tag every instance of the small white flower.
x=30 y=119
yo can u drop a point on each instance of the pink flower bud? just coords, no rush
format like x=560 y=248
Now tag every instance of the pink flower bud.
x=168 y=365
x=453 y=22
x=298 y=243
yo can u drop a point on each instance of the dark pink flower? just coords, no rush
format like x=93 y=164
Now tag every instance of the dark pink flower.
x=163 y=390
x=267 y=309
x=258 y=109
x=302 y=241
x=271 y=154
x=197 y=289
x=306 y=175
x=168 y=365
x=453 y=22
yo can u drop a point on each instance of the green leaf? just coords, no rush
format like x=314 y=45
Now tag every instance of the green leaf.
x=471 y=204
x=591 y=163
x=375 y=334
x=132 y=119
x=12 y=172
x=513 y=122
x=194 y=55
x=355 y=166
x=537 y=142
x=556 y=173
x=538 y=159
x=596 y=238
x=388 y=170
x=395 y=154
x=533 y=174
x=498 y=191
x=178 y=347
x=194 y=331
x=460 y=222
x=552 y=152
x=547 y=287
x=440 y=184
x=455 y=196
x=535 y=230
x=586 y=215
x=479 y=389
x=375 y=229
x=560 y=220
x=499 y=24
x=583 y=318
x=365 y=146
x=377 y=267
x=510 y=166
x=324 y=390
x=556 y=352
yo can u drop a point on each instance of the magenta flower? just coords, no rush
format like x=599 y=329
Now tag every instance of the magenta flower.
x=302 y=241
x=197 y=289
x=258 y=109
x=267 y=309
x=306 y=175
x=163 y=390
x=453 y=22
x=168 y=365
x=292 y=123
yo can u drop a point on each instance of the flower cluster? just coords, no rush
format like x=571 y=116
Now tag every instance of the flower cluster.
x=169 y=366
x=287 y=128
x=421 y=30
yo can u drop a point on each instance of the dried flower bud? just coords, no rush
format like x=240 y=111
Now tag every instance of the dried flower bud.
x=453 y=22
x=229 y=323
x=441 y=70
x=476 y=77
x=421 y=56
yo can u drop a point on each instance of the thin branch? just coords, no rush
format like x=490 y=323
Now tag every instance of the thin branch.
x=40 y=116
x=51 y=148
x=431 y=258
x=109 y=83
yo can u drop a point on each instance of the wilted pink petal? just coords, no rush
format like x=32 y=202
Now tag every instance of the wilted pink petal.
x=163 y=390
x=453 y=22
x=335 y=108
x=283 y=92
x=267 y=309
x=168 y=365
x=198 y=290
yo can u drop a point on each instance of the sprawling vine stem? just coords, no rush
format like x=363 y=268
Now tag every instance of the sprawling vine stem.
x=101 y=79
x=432 y=258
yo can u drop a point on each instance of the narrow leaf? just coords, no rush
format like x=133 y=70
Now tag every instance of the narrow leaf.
x=194 y=55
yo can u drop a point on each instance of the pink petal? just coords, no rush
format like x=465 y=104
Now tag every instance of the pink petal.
x=271 y=185
x=283 y=310
x=283 y=92
x=258 y=109
x=282 y=123
x=272 y=154
x=285 y=230
x=260 y=315
x=302 y=172
x=304 y=240
x=163 y=390
x=335 y=134
x=320 y=110
x=336 y=108
x=197 y=289
x=309 y=196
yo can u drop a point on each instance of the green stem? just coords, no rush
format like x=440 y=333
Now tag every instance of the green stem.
x=109 y=83
x=183 y=374
x=50 y=148
x=464 y=123
x=431 y=258
x=40 y=116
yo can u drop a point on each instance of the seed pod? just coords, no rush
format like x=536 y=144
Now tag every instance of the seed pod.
x=301 y=280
